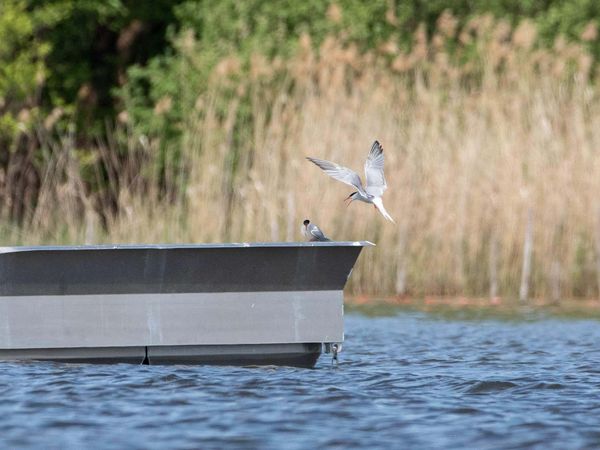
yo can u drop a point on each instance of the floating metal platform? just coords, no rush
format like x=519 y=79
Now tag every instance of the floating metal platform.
x=250 y=304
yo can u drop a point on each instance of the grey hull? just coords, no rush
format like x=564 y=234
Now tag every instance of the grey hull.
x=296 y=355
x=174 y=304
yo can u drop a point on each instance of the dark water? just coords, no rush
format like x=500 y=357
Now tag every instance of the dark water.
x=408 y=381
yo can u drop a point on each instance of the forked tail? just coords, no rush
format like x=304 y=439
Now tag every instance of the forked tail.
x=379 y=205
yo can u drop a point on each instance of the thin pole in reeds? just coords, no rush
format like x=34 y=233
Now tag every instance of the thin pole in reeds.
x=555 y=267
x=493 y=267
x=493 y=249
x=555 y=276
x=90 y=227
x=291 y=218
x=527 y=251
x=401 y=258
x=597 y=241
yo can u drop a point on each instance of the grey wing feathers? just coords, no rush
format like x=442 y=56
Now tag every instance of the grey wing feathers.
x=340 y=173
x=317 y=234
x=376 y=184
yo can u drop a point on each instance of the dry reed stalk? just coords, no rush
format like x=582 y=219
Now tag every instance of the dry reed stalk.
x=493 y=268
x=527 y=250
x=597 y=242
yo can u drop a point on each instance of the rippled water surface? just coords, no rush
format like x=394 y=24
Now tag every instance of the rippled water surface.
x=407 y=381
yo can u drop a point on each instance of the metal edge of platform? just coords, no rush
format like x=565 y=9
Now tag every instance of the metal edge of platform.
x=33 y=248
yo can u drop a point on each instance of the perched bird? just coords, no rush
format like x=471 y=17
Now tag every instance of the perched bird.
x=312 y=232
x=376 y=184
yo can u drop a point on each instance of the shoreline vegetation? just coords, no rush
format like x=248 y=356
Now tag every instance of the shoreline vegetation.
x=463 y=308
x=491 y=137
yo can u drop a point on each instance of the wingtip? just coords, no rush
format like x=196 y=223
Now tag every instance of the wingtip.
x=377 y=145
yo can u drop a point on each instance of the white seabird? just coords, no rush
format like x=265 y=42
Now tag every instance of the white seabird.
x=376 y=184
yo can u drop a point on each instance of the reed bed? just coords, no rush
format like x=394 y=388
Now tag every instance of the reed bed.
x=492 y=163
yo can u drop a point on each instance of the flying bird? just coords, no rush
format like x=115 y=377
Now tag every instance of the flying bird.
x=376 y=184
x=312 y=232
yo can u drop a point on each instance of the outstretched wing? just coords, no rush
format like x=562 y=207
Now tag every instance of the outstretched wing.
x=376 y=184
x=317 y=234
x=340 y=173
